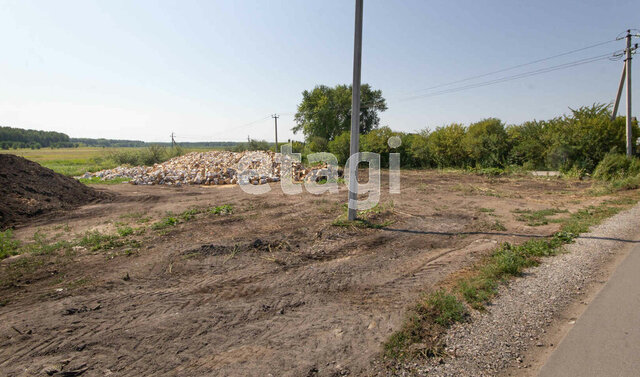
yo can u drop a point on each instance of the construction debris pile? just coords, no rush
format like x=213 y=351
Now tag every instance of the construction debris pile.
x=212 y=168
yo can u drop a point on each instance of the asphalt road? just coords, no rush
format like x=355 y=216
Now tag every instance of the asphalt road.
x=605 y=340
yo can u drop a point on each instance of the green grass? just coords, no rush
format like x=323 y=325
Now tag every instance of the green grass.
x=100 y=181
x=165 y=223
x=435 y=312
x=77 y=161
x=8 y=245
x=580 y=221
x=224 y=209
x=487 y=210
x=540 y=217
x=172 y=220
x=124 y=231
x=370 y=218
x=427 y=322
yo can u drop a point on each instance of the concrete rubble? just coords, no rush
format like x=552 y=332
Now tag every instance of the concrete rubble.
x=213 y=168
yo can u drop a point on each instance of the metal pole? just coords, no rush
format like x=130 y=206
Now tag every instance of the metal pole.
x=275 y=117
x=615 y=105
x=355 y=113
x=628 y=65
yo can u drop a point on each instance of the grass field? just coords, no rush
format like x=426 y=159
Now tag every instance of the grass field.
x=77 y=161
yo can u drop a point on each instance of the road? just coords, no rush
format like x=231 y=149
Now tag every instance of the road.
x=605 y=340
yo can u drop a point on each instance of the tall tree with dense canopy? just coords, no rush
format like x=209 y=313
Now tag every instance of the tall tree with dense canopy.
x=325 y=112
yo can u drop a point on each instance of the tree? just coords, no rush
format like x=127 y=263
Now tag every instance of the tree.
x=326 y=112
x=486 y=143
x=445 y=145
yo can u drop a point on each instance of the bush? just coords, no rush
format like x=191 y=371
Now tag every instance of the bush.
x=486 y=143
x=446 y=148
x=415 y=150
x=617 y=166
x=153 y=154
x=340 y=147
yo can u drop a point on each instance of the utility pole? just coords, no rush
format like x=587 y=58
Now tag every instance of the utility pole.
x=275 y=118
x=355 y=114
x=628 y=65
x=626 y=76
x=617 y=102
x=173 y=141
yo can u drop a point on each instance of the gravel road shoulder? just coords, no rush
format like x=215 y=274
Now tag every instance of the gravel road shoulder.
x=531 y=314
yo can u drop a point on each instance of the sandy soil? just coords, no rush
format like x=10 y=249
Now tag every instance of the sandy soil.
x=272 y=289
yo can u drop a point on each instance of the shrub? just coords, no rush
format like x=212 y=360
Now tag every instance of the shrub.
x=486 y=143
x=415 y=150
x=617 y=166
x=446 y=148
x=340 y=147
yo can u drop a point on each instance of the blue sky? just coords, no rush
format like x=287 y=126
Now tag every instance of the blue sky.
x=209 y=70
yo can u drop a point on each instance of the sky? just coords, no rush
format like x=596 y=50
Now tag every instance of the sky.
x=216 y=70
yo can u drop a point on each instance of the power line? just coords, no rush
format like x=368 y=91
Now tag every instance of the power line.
x=517 y=66
x=514 y=77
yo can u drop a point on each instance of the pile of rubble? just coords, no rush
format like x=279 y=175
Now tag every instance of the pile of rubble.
x=211 y=168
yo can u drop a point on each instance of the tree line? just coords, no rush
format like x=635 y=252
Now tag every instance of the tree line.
x=575 y=142
x=14 y=138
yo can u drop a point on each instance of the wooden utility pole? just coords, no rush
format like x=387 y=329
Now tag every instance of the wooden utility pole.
x=628 y=66
x=173 y=141
x=275 y=118
x=355 y=113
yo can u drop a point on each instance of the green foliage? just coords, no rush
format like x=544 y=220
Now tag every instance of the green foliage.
x=415 y=150
x=153 y=154
x=316 y=144
x=446 y=146
x=100 y=181
x=538 y=218
x=326 y=112
x=580 y=221
x=224 y=209
x=19 y=138
x=528 y=143
x=254 y=145
x=372 y=218
x=445 y=308
x=485 y=143
x=124 y=231
x=8 y=245
x=167 y=222
x=437 y=308
x=339 y=146
x=617 y=166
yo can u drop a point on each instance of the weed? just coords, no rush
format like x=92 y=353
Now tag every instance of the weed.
x=189 y=214
x=366 y=218
x=437 y=311
x=580 y=221
x=97 y=241
x=8 y=245
x=100 y=181
x=487 y=210
x=124 y=231
x=167 y=222
x=224 y=209
x=497 y=225
x=540 y=217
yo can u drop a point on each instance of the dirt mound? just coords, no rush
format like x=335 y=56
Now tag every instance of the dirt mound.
x=28 y=189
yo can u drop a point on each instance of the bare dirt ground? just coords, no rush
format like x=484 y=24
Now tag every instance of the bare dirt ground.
x=272 y=289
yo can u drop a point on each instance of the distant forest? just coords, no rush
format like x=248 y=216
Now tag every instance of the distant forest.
x=14 y=138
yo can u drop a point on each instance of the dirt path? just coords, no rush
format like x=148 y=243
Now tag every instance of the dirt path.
x=273 y=289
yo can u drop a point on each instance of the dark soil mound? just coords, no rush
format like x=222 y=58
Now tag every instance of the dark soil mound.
x=28 y=189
